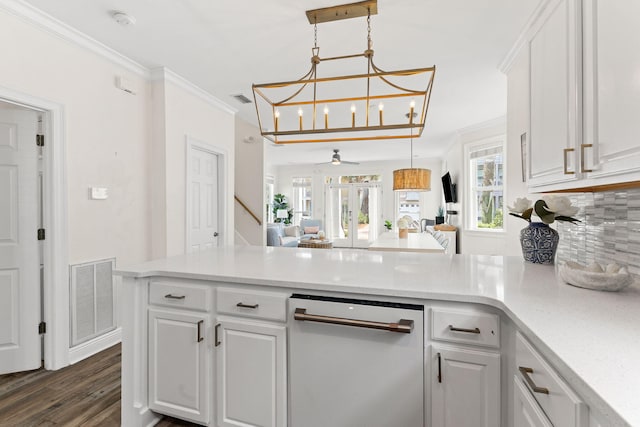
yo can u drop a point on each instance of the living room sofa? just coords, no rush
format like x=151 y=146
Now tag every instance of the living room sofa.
x=279 y=234
x=309 y=228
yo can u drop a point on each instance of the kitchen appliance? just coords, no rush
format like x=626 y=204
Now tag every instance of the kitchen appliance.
x=355 y=363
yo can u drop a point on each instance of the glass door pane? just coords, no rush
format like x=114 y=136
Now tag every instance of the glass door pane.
x=338 y=215
x=367 y=211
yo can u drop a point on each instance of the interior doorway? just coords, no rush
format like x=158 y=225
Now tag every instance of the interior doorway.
x=21 y=222
x=205 y=186
x=48 y=300
x=353 y=213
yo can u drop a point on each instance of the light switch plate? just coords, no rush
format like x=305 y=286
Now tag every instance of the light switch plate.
x=99 y=193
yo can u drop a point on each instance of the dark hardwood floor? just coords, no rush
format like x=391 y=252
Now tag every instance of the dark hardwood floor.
x=84 y=394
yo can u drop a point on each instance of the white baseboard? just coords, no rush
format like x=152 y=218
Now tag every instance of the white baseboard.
x=96 y=345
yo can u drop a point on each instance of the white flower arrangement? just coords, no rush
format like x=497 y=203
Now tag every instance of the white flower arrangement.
x=549 y=208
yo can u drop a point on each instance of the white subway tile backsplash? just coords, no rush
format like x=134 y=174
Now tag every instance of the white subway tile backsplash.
x=609 y=230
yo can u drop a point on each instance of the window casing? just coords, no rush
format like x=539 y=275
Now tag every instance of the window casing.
x=486 y=172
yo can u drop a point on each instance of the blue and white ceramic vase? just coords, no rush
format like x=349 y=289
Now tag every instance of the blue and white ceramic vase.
x=539 y=243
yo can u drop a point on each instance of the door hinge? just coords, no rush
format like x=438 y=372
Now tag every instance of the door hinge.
x=42 y=328
x=40 y=140
x=40 y=233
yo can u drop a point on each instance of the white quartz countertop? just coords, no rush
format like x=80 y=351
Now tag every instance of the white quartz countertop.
x=592 y=337
x=414 y=242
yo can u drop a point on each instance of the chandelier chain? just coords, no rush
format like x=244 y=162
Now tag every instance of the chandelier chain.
x=315 y=34
x=369 y=29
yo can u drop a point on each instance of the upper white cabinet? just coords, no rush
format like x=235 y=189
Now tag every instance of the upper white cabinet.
x=611 y=89
x=584 y=95
x=555 y=94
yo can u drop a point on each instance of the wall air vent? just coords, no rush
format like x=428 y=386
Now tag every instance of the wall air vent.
x=242 y=99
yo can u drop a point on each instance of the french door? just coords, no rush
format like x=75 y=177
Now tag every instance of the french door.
x=353 y=214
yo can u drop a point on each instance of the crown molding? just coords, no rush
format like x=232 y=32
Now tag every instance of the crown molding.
x=48 y=23
x=497 y=122
x=165 y=74
x=525 y=35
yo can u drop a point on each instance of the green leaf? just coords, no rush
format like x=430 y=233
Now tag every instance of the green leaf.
x=527 y=214
x=541 y=210
x=567 y=218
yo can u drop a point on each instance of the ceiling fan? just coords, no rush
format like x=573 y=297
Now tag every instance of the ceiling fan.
x=335 y=159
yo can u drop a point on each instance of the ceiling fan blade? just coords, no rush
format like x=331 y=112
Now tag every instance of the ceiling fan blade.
x=349 y=163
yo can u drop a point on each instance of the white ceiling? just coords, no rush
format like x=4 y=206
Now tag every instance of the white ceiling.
x=225 y=46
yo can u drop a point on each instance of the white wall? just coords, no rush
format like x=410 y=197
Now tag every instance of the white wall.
x=249 y=181
x=433 y=199
x=107 y=137
x=471 y=241
x=189 y=114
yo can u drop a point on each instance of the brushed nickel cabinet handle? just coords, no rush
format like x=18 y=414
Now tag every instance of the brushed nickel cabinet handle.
x=170 y=296
x=200 y=337
x=217 y=336
x=254 y=306
x=566 y=162
x=469 y=331
x=582 y=148
x=439 y=368
x=403 y=326
x=525 y=373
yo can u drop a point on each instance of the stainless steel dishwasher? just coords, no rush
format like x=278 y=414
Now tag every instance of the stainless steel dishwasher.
x=355 y=363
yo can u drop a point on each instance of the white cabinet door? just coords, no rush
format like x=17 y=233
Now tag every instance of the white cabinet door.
x=611 y=89
x=555 y=70
x=527 y=412
x=179 y=365
x=251 y=374
x=465 y=388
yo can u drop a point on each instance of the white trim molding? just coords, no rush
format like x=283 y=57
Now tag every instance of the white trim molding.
x=525 y=35
x=165 y=74
x=44 y=21
x=96 y=345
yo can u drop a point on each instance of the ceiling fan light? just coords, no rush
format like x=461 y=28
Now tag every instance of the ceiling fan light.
x=412 y=179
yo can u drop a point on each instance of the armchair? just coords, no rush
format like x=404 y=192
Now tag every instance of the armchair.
x=309 y=228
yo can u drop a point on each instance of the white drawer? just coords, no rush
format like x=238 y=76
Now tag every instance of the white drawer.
x=180 y=295
x=465 y=326
x=255 y=304
x=561 y=405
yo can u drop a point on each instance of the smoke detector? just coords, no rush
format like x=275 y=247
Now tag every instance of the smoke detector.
x=123 y=19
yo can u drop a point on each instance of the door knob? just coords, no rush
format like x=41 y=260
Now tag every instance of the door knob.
x=215 y=234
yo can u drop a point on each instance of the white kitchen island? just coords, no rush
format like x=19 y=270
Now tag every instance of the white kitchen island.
x=588 y=339
x=415 y=242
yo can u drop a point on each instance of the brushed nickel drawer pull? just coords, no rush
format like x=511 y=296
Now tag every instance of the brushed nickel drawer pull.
x=171 y=296
x=217 y=337
x=566 y=162
x=469 y=331
x=525 y=373
x=200 y=337
x=582 y=147
x=439 y=368
x=403 y=326
x=254 y=306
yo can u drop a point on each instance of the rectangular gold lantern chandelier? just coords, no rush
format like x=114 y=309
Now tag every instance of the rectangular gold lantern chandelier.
x=337 y=105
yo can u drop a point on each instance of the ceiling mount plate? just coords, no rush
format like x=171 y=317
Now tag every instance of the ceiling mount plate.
x=345 y=11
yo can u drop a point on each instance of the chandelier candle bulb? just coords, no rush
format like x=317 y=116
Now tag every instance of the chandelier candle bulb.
x=353 y=115
x=277 y=118
x=300 y=117
x=381 y=108
x=326 y=117
x=412 y=105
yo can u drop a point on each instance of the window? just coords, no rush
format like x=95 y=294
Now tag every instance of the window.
x=301 y=199
x=268 y=194
x=408 y=203
x=486 y=185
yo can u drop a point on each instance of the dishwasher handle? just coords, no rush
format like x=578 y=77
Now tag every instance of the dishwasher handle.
x=403 y=326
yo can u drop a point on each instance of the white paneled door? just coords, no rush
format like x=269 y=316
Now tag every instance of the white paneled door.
x=203 y=199
x=20 y=343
